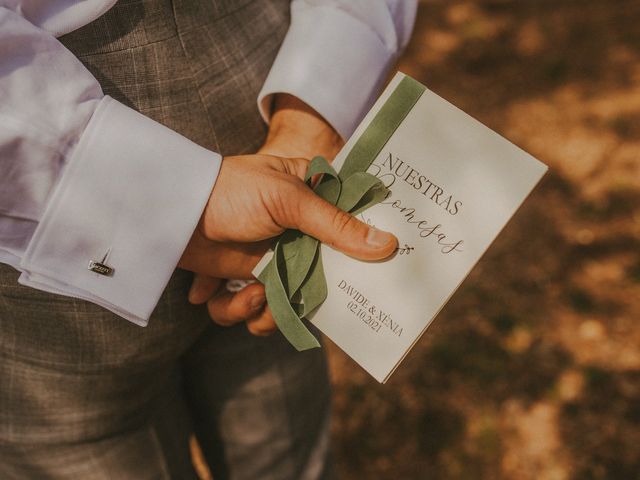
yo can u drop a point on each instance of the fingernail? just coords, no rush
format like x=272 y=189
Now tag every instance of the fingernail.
x=378 y=238
x=256 y=302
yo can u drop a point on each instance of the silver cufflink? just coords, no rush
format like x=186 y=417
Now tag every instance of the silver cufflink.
x=101 y=267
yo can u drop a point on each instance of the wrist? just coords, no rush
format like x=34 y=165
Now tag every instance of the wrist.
x=298 y=130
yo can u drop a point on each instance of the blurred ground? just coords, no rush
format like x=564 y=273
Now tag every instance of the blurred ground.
x=532 y=371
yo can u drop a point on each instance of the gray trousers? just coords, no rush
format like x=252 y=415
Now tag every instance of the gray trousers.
x=87 y=395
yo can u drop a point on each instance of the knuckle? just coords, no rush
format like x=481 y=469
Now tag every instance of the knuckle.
x=296 y=202
x=269 y=329
x=254 y=329
x=342 y=221
x=286 y=202
x=262 y=326
x=218 y=320
x=296 y=166
x=218 y=314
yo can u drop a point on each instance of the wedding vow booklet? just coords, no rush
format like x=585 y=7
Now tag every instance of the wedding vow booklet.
x=454 y=184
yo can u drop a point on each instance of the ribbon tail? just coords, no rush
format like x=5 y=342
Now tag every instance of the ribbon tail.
x=381 y=128
x=299 y=251
x=314 y=289
x=284 y=315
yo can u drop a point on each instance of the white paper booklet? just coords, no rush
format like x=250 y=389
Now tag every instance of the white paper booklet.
x=454 y=185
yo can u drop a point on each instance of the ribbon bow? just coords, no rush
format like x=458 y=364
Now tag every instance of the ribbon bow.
x=294 y=279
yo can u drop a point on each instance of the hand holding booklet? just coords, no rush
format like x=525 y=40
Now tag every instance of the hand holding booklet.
x=452 y=186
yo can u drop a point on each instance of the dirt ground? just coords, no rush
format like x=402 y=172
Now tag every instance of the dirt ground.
x=532 y=371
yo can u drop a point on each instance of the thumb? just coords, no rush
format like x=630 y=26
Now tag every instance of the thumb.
x=341 y=230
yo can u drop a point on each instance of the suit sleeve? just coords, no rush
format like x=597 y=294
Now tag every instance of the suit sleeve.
x=82 y=175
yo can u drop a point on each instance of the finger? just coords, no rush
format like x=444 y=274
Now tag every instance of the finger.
x=203 y=288
x=230 y=308
x=262 y=325
x=234 y=260
x=222 y=260
x=339 y=229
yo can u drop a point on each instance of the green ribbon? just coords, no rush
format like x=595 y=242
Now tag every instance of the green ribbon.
x=294 y=278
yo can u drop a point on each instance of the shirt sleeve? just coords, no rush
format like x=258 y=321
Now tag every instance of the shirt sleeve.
x=83 y=176
x=336 y=55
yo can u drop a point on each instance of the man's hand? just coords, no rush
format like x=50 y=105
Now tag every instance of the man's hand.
x=256 y=198
x=295 y=131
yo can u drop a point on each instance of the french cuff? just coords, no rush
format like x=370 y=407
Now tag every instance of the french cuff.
x=129 y=198
x=331 y=61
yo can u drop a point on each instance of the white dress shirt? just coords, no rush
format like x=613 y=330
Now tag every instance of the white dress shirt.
x=82 y=175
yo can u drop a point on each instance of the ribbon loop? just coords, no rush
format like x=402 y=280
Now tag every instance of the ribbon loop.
x=294 y=278
x=355 y=189
x=286 y=318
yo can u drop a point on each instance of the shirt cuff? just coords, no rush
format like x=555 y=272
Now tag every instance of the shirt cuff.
x=133 y=188
x=331 y=61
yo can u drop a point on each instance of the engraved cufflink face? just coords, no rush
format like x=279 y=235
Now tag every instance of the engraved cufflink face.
x=101 y=267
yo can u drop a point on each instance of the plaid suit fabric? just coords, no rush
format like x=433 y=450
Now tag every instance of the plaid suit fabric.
x=87 y=395
x=194 y=65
